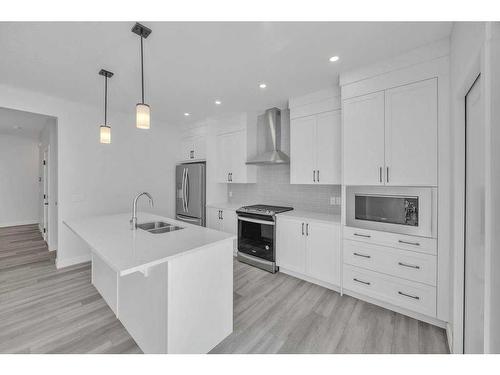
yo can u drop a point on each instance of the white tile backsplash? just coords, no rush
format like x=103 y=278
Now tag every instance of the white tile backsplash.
x=273 y=187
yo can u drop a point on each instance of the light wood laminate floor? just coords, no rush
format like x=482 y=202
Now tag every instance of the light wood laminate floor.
x=45 y=310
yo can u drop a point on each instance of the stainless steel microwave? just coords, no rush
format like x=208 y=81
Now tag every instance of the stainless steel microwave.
x=405 y=210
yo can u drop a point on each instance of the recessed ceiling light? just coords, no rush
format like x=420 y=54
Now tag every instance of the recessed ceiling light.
x=334 y=58
x=262 y=85
x=186 y=114
x=218 y=102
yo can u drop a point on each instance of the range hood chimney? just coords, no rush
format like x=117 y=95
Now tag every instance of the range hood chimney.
x=272 y=140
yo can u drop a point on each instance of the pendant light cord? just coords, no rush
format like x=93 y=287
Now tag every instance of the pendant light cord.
x=106 y=100
x=142 y=70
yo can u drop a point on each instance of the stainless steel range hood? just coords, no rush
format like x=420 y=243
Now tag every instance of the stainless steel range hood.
x=271 y=137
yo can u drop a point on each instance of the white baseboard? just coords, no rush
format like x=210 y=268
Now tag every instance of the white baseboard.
x=72 y=261
x=16 y=223
x=310 y=279
x=412 y=314
x=449 y=336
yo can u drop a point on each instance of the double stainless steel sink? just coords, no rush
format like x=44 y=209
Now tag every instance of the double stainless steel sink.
x=158 y=227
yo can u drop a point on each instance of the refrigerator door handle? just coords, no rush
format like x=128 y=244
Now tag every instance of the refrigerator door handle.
x=184 y=190
x=187 y=190
x=183 y=218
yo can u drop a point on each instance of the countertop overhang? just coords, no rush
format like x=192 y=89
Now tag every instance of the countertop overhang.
x=128 y=251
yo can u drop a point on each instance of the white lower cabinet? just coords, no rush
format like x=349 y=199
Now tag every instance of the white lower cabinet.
x=309 y=248
x=222 y=219
x=400 y=271
x=409 y=295
x=291 y=244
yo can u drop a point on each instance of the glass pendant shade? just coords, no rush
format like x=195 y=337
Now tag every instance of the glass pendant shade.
x=105 y=134
x=143 y=112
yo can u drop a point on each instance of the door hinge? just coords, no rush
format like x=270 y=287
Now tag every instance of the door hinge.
x=44 y=162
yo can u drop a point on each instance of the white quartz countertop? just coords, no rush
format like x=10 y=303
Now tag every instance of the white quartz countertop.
x=226 y=205
x=310 y=215
x=128 y=251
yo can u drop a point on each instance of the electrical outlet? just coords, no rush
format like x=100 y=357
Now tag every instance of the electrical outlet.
x=230 y=194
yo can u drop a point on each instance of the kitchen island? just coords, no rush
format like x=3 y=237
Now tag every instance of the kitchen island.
x=172 y=291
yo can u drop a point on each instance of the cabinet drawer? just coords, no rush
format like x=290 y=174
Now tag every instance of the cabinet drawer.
x=403 y=293
x=400 y=241
x=395 y=262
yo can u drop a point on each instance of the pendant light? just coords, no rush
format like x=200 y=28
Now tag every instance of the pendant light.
x=143 y=111
x=105 y=130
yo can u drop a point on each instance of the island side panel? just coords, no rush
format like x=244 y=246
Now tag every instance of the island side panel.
x=142 y=300
x=105 y=280
x=200 y=299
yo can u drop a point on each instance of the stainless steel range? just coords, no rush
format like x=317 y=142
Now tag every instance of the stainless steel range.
x=257 y=235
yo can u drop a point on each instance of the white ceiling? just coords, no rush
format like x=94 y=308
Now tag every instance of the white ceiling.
x=189 y=65
x=22 y=124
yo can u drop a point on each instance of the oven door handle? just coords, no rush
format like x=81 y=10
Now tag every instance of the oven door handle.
x=255 y=220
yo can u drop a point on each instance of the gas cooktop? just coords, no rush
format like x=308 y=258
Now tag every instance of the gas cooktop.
x=263 y=209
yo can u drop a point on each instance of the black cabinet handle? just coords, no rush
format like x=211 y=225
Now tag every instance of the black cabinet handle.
x=362 y=235
x=362 y=282
x=409 y=243
x=362 y=255
x=408 y=265
x=409 y=295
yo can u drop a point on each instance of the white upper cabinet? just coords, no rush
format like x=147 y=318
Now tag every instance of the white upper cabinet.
x=411 y=134
x=328 y=147
x=193 y=148
x=232 y=157
x=315 y=146
x=303 y=150
x=364 y=139
x=390 y=137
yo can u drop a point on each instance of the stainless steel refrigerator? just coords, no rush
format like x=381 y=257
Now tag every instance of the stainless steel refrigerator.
x=190 y=193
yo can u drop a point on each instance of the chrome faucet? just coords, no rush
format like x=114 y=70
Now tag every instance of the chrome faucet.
x=133 y=221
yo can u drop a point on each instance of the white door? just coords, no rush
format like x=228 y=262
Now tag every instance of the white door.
x=213 y=218
x=290 y=245
x=363 y=133
x=474 y=222
x=46 y=195
x=411 y=134
x=229 y=222
x=303 y=150
x=238 y=156
x=323 y=252
x=223 y=157
x=328 y=147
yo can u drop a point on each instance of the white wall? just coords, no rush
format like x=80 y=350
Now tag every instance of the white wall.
x=475 y=49
x=99 y=179
x=493 y=257
x=18 y=180
x=48 y=140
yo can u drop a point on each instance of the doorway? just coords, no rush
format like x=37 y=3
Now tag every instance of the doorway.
x=45 y=197
x=474 y=224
